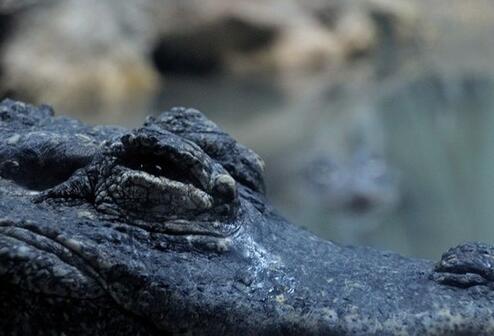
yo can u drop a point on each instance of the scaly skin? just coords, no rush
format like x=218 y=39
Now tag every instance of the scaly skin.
x=166 y=230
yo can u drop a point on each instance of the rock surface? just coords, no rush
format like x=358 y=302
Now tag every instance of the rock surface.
x=126 y=44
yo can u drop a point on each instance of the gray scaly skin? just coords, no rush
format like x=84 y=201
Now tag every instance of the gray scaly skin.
x=166 y=230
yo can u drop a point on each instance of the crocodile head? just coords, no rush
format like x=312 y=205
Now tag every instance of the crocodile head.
x=166 y=229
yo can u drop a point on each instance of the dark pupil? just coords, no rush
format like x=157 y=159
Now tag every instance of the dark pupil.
x=159 y=166
x=153 y=169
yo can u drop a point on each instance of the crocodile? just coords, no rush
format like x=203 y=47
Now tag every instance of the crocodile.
x=166 y=230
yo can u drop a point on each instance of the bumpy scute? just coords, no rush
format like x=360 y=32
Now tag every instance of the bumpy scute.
x=241 y=162
x=466 y=265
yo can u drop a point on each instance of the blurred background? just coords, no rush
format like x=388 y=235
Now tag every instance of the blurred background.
x=375 y=117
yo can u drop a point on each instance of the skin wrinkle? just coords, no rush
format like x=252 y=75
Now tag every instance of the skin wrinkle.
x=92 y=270
x=78 y=269
x=90 y=266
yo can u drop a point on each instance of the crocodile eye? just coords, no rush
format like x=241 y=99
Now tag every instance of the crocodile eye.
x=152 y=186
x=156 y=176
x=157 y=166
